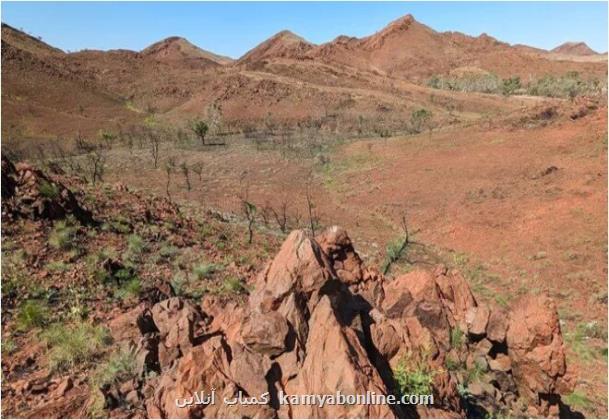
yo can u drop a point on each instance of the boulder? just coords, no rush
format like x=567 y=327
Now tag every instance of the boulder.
x=175 y=319
x=501 y=363
x=536 y=350
x=204 y=368
x=497 y=326
x=265 y=333
x=335 y=361
x=28 y=192
x=336 y=244
x=476 y=319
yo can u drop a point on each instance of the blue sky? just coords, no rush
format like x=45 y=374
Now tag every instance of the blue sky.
x=234 y=28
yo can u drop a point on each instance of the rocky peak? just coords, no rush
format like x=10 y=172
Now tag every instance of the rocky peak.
x=284 y=44
x=176 y=48
x=574 y=48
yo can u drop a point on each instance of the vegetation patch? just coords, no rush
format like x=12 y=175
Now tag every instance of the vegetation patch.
x=63 y=235
x=31 y=314
x=413 y=375
x=72 y=344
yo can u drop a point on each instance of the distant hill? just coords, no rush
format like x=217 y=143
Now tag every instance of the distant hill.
x=574 y=48
x=284 y=44
x=176 y=48
x=380 y=77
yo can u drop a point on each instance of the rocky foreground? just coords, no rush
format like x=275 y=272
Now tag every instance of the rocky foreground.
x=318 y=321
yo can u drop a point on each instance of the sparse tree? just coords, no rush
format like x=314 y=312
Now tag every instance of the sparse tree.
x=248 y=208
x=197 y=168
x=200 y=128
x=95 y=155
x=313 y=218
x=214 y=118
x=169 y=167
x=420 y=119
x=107 y=137
x=97 y=162
x=396 y=248
x=281 y=216
x=154 y=145
x=186 y=173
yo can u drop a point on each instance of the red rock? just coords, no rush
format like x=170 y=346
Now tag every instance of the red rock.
x=335 y=361
x=497 y=326
x=501 y=363
x=536 y=348
x=175 y=320
x=265 y=333
x=476 y=320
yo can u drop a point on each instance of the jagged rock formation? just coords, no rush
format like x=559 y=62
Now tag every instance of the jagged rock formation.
x=28 y=192
x=319 y=321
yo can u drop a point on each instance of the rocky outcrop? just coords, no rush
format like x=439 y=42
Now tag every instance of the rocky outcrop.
x=537 y=353
x=319 y=322
x=28 y=192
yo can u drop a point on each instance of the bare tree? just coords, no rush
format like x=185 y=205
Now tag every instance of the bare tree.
x=186 y=173
x=248 y=208
x=154 y=145
x=313 y=219
x=197 y=168
x=281 y=216
x=95 y=155
x=396 y=248
x=214 y=118
x=169 y=167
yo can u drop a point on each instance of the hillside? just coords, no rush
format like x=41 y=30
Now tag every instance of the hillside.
x=99 y=322
x=177 y=48
x=381 y=77
x=284 y=44
x=574 y=48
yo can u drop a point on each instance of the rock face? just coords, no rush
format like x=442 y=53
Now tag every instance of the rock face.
x=319 y=322
x=537 y=352
x=27 y=192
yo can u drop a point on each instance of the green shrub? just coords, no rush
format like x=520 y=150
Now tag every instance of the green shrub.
x=118 y=225
x=233 y=285
x=168 y=251
x=470 y=82
x=135 y=247
x=130 y=288
x=413 y=375
x=510 y=86
x=63 y=235
x=202 y=271
x=457 y=338
x=32 y=313
x=569 y=85
x=119 y=367
x=57 y=266
x=577 y=400
x=474 y=373
x=451 y=364
x=8 y=346
x=420 y=119
x=394 y=252
x=178 y=283
x=48 y=190
x=72 y=344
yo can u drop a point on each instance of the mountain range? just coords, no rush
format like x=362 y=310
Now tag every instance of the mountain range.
x=285 y=77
